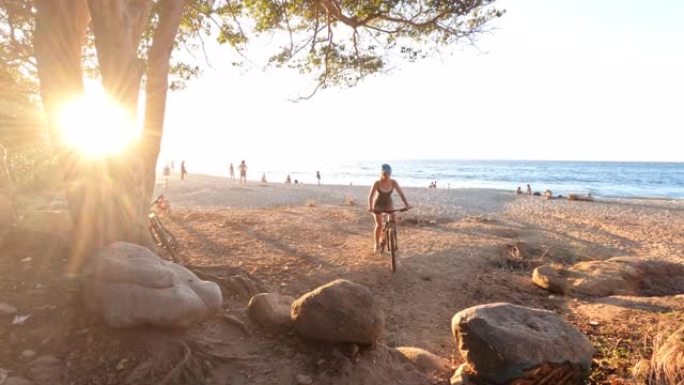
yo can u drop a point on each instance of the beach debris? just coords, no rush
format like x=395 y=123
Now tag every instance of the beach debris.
x=20 y=319
x=26 y=260
x=502 y=343
x=130 y=286
x=271 y=310
x=340 y=311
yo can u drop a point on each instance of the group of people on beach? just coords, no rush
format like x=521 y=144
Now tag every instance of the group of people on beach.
x=242 y=167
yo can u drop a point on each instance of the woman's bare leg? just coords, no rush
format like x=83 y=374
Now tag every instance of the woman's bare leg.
x=378 y=230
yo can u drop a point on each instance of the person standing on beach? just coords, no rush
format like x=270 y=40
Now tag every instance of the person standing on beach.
x=318 y=176
x=243 y=172
x=184 y=171
x=529 y=189
x=232 y=172
x=380 y=200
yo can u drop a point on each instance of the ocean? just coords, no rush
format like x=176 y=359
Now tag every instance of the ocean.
x=602 y=179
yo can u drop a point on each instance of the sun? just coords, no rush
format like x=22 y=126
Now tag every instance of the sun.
x=97 y=126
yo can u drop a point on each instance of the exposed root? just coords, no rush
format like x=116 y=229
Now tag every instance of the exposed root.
x=178 y=368
x=229 y=319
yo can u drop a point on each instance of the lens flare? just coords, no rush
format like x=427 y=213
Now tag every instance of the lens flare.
x=97 y=126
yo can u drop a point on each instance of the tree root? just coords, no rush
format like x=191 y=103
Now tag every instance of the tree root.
x=178 y=368
x=229 y=319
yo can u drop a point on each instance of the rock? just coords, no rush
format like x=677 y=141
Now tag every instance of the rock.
x=7 y=310
x=16 y=381
x=502 y=342
x=462 y=376
x=424 y=360
x=128 y=285
x=614 y=276
x=28 y=353
x=340 y=311
x=46 y=370
x=550 y=279
x=271 y=310
x=303 y=379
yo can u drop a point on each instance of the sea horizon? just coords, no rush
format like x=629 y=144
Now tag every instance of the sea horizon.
x=614 y=179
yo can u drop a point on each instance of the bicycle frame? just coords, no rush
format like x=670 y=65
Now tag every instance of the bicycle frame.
x=389 y=227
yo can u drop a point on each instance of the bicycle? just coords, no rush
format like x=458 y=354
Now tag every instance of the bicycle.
x=389 y=227
x=161 y=236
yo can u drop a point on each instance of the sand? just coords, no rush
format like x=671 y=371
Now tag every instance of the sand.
x=452 y=244
x=455 y=250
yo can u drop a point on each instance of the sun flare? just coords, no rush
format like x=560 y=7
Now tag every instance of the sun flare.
x=97 y=126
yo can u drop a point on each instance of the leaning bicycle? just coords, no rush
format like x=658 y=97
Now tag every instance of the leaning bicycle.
x=389 y=241
x=162 y=237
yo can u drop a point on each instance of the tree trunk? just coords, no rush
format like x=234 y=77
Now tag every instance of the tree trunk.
x=109 y=198
x=170 y=13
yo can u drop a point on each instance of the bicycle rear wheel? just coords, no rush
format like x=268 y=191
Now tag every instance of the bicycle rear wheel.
x=392 y=247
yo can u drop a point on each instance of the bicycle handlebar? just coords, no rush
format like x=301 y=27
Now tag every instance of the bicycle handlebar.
x=390 y=211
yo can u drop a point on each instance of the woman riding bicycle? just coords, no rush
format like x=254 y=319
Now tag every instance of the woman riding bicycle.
x=380 y=200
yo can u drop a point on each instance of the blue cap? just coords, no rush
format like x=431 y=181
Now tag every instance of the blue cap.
x=386 y=168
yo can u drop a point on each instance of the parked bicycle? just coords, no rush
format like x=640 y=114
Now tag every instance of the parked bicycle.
x=162 y=237
x=389 y=241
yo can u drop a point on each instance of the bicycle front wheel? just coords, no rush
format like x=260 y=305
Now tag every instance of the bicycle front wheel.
x=392 y=247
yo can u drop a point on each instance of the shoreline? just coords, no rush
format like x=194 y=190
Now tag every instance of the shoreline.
x=225 y=181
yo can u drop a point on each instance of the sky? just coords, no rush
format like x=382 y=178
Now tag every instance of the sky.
x=555 y=80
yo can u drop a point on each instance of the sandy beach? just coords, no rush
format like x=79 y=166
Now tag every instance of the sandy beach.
x=453 y=248
x=457 y=248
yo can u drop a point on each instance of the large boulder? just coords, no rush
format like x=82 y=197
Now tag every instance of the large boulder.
x=614 y=276
x=340 y=311
x=271 y=310
x=502 y=342
x=129 y=285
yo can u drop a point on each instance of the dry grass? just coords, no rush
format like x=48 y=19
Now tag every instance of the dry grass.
x=667 y=364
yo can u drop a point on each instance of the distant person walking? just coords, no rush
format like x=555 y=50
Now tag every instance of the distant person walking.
x=263 y=178
x=184 y=171
x=318 y=176
x=243 y=172
x=167 y=174
x=529 y=190
x=232 y=172
x=288 y=180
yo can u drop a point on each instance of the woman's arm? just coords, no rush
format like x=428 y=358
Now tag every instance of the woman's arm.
x=370 y=196
x=401 y=193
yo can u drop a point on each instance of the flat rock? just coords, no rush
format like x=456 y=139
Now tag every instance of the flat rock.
x=271 y=310
x=614 y=276
x=340 y=311
x=424 y=360
x=128 y=285
x=502 y=342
